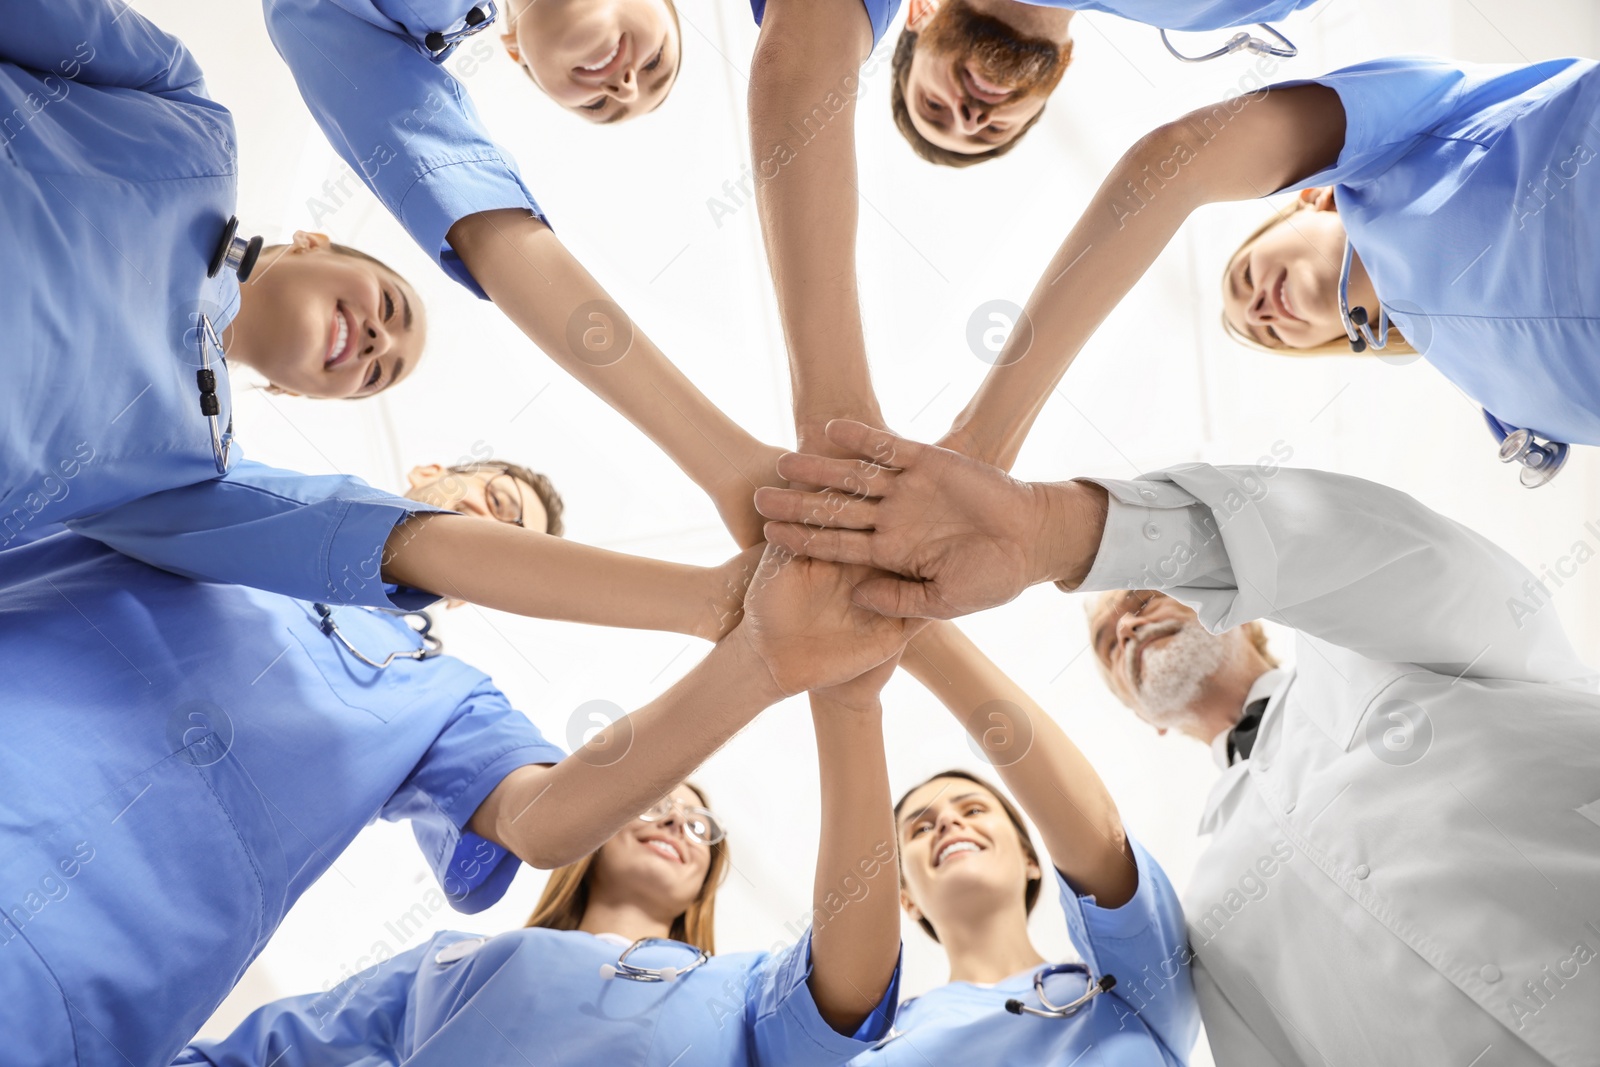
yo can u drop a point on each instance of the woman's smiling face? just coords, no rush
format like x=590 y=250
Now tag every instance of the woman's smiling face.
x=604 y=60
x=323 y=323
x=1282 y=289
x=959 y=851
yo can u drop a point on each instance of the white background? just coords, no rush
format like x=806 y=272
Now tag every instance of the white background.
x=1158 y=385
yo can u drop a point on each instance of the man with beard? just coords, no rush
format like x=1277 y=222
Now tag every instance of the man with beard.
x=972 y=76
x=1403 y=864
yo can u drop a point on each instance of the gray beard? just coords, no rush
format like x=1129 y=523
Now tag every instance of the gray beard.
x=1174 y=676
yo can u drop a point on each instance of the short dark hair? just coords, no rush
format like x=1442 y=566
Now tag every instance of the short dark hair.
x=541 y=484
x=1030 y=893
x=904 y=50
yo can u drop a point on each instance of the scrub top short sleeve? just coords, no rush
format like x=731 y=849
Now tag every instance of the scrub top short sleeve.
x=881 y=12
x=783 y=1016
x=318 y=538
x=1388 y=103
x=1145 y=944
x=485 y=740
x=400 y=119
x=90 y=43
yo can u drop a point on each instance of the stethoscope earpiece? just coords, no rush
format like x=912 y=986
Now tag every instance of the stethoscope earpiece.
x=476 y=19
x=1240 y=42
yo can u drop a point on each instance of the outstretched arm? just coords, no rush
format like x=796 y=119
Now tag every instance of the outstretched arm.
x=799 y=632
x=1053 y=781
x=535 y=574
x=855 y=945
x=539 y=285
x=406 y=126
x=803 y=86
x=1239 y=150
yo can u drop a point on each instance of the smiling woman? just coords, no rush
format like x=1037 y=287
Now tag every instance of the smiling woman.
x=605 y=62
x=325 y=320
x=970 y=876
x=620 y=875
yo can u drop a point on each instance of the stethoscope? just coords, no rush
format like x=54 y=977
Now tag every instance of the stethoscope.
x=1540 y=460
x=476 y=21
x=239 y=256
x=1241 y=42
x=431 y=645
x=635 y=973
x=1050 y=1010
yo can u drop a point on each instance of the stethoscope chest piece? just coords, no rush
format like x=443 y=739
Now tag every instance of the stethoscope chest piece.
x=1540 y=462
x=235 y=253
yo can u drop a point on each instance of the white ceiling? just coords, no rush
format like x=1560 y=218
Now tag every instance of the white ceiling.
x=1158 y=385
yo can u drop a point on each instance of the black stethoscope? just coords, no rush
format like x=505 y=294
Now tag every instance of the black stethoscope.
x=635 y=973
x=431 y=645
x=239 y=256
x=1242 y=41
x=476 y=21
x=1540 y=460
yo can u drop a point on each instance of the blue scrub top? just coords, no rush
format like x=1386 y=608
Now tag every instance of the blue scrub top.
x=1190 y=15
x=881 y=12
x=536 y=996
x=1149 y=1018
x=181 y=761
x=401 y=120
x=117 y=172
x=396 y=115
x=1492 y=170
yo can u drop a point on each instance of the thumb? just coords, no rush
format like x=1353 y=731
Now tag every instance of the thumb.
x=899 y=598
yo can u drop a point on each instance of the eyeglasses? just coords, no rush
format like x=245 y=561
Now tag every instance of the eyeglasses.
x=504 y=494
x=699 y=823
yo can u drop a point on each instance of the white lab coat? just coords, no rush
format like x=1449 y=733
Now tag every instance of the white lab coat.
x=1407 y=869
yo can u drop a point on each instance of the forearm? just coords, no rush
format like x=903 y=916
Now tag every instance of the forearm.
x=806 y=61
x=1113 y=244
x=528 y=573
x=1047 y=774
x=855 y=937
x=531 y=277
x=1241 y=149
x=552 y=816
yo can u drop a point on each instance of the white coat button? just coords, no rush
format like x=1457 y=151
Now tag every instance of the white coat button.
x=459 y=950
x=1489 y=973
x=1148 y=494
x=1288 y=809
x=1363 y=870
x=1152 y=531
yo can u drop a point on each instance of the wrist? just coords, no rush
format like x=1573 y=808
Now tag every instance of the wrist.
x=1069 y=519
x=834 y=708
x=747 y=665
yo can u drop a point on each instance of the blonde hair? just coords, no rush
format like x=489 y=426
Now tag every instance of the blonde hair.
x=1339 y=346
x=1252 y=630
x=566 y=897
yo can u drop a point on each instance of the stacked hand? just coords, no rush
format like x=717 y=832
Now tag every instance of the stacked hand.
x=800 y=618
x=951 y=535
